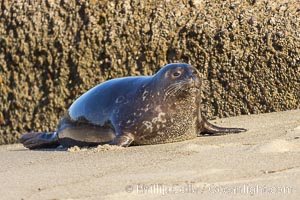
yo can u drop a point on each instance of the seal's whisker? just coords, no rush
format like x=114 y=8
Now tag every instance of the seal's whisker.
x=175 y=88
x=176 y=85
x=171 y=92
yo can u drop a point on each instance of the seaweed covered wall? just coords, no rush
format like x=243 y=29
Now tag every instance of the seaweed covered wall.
x=52 y=51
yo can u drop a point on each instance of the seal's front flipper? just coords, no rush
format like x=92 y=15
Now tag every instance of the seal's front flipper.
x=122 y=140
x=210 y=129
x=39 y=140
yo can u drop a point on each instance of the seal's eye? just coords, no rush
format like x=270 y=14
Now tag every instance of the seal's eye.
x=176 y=74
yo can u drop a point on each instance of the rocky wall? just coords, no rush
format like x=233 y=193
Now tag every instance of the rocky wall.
x=53 y=51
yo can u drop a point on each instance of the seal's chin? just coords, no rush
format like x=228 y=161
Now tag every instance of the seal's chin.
x=192 y=90
x=189 y=89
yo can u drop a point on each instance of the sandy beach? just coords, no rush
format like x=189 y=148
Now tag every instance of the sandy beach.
x=263 y=163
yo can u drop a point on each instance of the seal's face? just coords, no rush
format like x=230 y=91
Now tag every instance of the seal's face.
x=180 y=80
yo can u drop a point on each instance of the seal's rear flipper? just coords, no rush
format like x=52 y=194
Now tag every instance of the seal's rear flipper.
x=39 y=140
x=210 y=129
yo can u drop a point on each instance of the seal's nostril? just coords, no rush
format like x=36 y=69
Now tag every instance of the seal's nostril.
x=194 y=78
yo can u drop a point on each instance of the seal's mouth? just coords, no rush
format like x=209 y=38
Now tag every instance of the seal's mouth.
x=184 y=87
x=195 y=83
x=191 y=89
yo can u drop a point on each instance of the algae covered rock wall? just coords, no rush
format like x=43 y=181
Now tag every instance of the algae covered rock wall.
x=52 y=51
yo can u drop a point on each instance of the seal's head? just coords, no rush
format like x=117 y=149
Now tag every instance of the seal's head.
x=179 y=79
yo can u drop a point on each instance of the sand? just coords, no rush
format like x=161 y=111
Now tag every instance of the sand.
x=263 y=163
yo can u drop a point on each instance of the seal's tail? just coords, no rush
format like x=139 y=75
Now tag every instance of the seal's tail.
x=39 y=140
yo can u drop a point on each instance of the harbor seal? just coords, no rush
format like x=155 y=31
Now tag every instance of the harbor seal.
x=162 y=108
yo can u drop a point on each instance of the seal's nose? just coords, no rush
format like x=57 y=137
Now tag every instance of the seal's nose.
x=194 y=77
x=194 y=80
